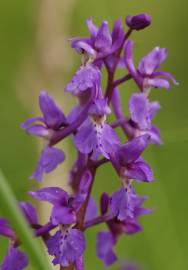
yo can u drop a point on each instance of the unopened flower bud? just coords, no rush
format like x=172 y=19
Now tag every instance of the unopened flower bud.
x=139 y=21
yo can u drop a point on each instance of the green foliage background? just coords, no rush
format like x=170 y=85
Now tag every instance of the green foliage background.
x=163 y=243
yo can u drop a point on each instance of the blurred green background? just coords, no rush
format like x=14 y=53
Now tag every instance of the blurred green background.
x=33 y=38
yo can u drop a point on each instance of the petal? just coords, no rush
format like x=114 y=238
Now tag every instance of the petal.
x=100 y=107
x=67 y=247
x=157 y=83
x=139 y=110
x=103 y=40
x=152 y=61
x=50 y=158
x=80 y=263
x=139 y=170
x=117 y=35
x=82 y=194
x=92 y=28
x=5 y=229
x=131 y=151
x=38 y=130
x=105 y=243
x=104 y=203
x=63 y=215
x=80 y=46
x=29 y=212
x=29 y=122
x=53 y=195
x=109 y=139
x=155 y=136
x=14 y=260
x=91 y=211
x=131 y=226
x=53 y=116
x=85 y=78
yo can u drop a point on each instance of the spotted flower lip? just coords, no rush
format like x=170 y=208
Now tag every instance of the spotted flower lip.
x=67 y=246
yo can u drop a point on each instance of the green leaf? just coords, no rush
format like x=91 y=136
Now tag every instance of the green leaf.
x=31 y=245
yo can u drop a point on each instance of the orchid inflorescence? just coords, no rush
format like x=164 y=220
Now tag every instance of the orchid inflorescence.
x=96 y=143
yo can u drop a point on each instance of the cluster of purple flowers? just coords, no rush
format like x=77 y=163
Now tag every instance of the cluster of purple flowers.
x=96 y=143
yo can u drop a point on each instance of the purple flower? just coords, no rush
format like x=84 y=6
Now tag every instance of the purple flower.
x=105 y=243
x=129 y=163
x=142 y=113
x=67 y=246
x=147 y=75
x=95 y=136
x=14 y=260
x=52 y=119
x=138 y=22
x=65 y=207
x=50 y=158
x=87 y=78
x=101 y=43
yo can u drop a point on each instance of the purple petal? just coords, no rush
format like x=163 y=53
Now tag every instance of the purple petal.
x=53 y=195
x=105 y=243
x=157 y=83
x=139 y=107
x=139 y=170
x=53 y=116
x=67 y=247
x=14 y=260
x=84 y=186
x=80 y=263
x=152 y=61
x=131 y=226
x=62 y=215
x=166 y=76
x=155 y=136
x=29 y=212
x=82 y=46
x=131 y=151
x=50 y=158
x=139 y=21
x=29 y=122
x=91 y=211
x=39 y=131
x=92 y=29
x=117 y=35
x=5 y=229
x=103 y=39
x=100 y=107
x=104 y=203
x=85 y=78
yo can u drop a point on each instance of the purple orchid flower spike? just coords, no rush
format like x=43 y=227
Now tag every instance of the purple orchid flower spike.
x=14 y=260
x=138 y=22
x=142 y=113
x=104 y=248
x=130 y=164
x=95 y=136
x=147 y=76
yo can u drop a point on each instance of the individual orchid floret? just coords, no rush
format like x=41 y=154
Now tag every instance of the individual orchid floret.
x=52 y=119
x=129 y=163
x=14 y=260
x=49 y=160
x=147 y=75
x=142 y=113
x=95 y=136
x=104 y=248
x=65 y=207
x=138 y=22
x=5 y=229
x=85 y=83
x=67 y=245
